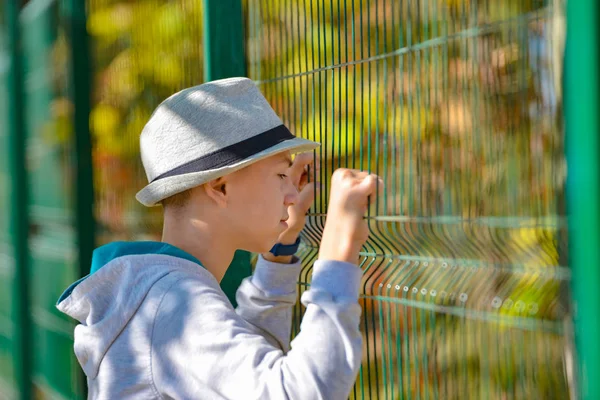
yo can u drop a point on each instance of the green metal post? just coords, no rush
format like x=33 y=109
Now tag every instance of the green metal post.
x=81 y=94
x=583 y=190
x=223 y=58
x=223 y=39
x=83 y=166
x=19 y=220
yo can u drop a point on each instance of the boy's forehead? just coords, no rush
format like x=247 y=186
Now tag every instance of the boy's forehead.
x=284 y=157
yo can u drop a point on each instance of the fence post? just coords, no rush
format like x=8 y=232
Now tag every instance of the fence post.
x=583 y=188
x=19 y=219
x=223 y=58
x=223 y=39
x=83 y=166
x=81 y=96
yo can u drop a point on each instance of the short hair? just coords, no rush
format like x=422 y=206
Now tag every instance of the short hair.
x=178 y=200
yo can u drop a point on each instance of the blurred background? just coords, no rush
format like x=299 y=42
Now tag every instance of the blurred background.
x=481 y=271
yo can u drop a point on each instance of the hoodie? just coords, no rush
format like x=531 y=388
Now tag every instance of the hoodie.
x=154 y=324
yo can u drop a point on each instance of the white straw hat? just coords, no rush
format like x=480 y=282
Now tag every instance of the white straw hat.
x=208 y=131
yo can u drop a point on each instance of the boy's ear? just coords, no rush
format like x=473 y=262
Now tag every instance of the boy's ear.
x=217 y=190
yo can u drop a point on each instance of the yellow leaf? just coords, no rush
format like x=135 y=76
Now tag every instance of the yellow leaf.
x=110 y=22
x=409 y=122
x=104 y=120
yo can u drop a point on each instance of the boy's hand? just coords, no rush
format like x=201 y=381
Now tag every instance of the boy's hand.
x=298 y=173
x=346 y=230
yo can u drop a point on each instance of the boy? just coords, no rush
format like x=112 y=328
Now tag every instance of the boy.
x=154 y=323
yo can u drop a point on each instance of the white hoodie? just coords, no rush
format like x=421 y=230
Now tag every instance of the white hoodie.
x=156 y=325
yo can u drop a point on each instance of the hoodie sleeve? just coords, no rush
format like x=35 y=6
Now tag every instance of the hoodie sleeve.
x=202 y=348
x=266 y=299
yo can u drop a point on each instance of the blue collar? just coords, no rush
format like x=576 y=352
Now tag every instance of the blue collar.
x=105 y=254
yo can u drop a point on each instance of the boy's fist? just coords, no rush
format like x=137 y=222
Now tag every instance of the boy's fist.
x=346 y=230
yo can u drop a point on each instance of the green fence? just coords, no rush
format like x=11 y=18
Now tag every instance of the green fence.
x=49 y=236
x=457 y=104
x=457 y=107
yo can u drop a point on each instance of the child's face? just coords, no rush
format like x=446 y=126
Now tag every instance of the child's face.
x=258 y=201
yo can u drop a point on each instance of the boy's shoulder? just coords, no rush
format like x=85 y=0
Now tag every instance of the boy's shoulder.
x=181 y=284
x=177 y=275
x=132 y=280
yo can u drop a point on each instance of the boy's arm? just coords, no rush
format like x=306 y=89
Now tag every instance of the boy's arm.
x=202 y=348
x=266 y=299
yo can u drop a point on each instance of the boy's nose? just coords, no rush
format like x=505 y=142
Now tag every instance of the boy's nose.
x=291 y=196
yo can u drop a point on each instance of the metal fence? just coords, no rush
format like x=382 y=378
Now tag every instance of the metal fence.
x=458 y=108
x=45 y=241
x=457 y=104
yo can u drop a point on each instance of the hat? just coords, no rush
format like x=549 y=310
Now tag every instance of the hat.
x=208 y=131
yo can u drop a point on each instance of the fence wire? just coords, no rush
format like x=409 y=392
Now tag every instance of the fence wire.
x=457 y=105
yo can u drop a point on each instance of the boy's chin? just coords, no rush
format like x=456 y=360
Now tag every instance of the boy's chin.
x=263 y=247
x=265 y=242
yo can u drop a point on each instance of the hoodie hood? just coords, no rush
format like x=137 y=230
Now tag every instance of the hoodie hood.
x=104 y=302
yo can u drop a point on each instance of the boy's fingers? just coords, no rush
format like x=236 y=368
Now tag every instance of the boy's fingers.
x=298 y=168
x=303 y=158
x=303 y=180
x=370 y=184
x=305 y=198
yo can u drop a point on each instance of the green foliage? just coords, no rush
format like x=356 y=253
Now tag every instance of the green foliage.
x=143 y=52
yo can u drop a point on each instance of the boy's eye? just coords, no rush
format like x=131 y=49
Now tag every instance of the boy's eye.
x=282 y=176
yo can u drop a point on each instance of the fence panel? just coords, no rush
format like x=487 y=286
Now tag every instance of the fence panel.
x=54 y=255
x=456 y=104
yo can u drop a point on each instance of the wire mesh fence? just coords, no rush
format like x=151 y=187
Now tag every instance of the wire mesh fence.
x=457 y=105
x=35 y=341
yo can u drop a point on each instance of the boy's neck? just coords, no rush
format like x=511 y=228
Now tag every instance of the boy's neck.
x=198 y=239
